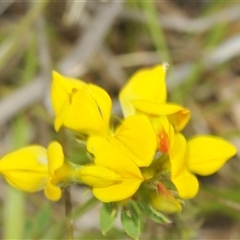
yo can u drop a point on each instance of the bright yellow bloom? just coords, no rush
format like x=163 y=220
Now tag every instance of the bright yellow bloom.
x=132 y=146
x=80 y=106
x=113 y=177
x=146 y=92
x=35 y=168
x=135 y=138
x=202 y=155
x=26 y=169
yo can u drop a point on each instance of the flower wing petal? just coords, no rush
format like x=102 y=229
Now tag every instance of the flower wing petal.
x=130 y=175
x=117 y=192
x=177 y=155
x=26 y=169
x=52 y=192
x=55 y=157
x=119 y=163
x=186 y=184
x=207 y=154
x=97 y=176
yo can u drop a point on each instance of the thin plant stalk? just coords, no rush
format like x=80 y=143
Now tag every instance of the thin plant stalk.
x=68 y=212
x=156 y=30
x=14 y=206
x=66 y=193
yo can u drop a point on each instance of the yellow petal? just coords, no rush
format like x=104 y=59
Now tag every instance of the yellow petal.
x=61 y=89
x=135 y=138
x=62 y=114
x=177 y=115
x=89 y=111
x=97 y=176
x=179 y=119
x=52 y=192
x=117 y=192
x=79 y=106
x=186 y=184
x=26 y=169
x=207 y=154
x=119 y=163
x=165 y=133
x=177 y=155
x=103 y=102
x=27 y=181
x=146 y=84
x=55 y=157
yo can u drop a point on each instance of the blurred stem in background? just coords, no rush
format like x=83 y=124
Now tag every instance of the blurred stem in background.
x=66 y=193
x=15 y=202
x=195 y=73
x=156 y=30
x=15 y=40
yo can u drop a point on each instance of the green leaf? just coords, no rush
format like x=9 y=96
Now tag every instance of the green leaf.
x=131 y=222
x=108 y=214
x=152 y=213
x=158 y=217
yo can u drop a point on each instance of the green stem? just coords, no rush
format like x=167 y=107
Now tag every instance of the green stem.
x=66 y=194
x=14 y=205
x=14 y=212
x=68 y=212
x=12 y=43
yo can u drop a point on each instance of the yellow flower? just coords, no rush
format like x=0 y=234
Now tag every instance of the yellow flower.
x=80 y=106
x=146 y=92
x=135 y=138
x=35 y=168
x=113 y=177
x=202 y=155
x=132 y=146
x=26 y=169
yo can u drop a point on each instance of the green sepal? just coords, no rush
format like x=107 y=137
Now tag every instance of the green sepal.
x=151 y=213
x=131 y=221
x=158 y=217
x=108 y=214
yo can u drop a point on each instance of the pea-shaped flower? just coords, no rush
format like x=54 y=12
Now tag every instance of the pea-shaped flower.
x=113 y=177
x=80 y=106
x=146 y=92
x=116 y=174
x=35 y=168
x=202 y=155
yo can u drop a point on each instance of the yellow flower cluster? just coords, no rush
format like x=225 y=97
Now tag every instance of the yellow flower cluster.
x=145 y=156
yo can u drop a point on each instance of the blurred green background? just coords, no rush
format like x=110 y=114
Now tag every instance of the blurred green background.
x=104 y=42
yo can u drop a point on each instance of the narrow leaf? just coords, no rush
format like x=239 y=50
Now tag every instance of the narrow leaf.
x=153 y=214
x=108 y=214
x=131 y=222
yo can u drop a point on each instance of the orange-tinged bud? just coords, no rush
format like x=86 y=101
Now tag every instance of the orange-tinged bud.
x=163 y=200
